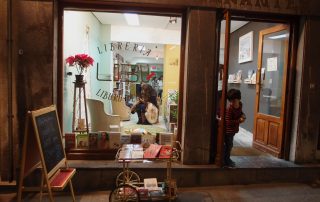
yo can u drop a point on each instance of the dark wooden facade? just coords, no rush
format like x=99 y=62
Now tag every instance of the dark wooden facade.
x=31 y=72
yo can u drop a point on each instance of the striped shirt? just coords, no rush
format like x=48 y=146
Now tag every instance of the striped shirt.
x=232 y=119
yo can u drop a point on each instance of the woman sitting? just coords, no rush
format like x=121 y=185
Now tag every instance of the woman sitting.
x=148 y=95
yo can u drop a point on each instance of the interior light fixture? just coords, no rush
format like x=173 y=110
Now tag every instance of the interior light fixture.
x=157 y=57
x=279 y=36
x=132 y=19
x=173 y=20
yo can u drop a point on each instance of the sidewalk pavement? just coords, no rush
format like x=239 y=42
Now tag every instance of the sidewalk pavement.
x=280 y=192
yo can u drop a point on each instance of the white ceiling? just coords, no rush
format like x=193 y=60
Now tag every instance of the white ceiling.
x=157 y=22
x=145 y=21
x=148 y=21
x=233 y=26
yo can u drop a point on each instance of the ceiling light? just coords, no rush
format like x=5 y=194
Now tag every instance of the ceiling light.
x=279 y=36
x=132 y=19
x=173 y=20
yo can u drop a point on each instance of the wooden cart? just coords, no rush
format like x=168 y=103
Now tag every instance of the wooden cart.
x=130 y=188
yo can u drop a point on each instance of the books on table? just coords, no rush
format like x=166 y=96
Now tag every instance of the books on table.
x=114 y=140
x=93 y=140
x=70 y=140
x=82 y=140
x=103 y=140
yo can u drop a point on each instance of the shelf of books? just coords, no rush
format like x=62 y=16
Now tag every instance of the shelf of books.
x=105 y=145
x=92 y=146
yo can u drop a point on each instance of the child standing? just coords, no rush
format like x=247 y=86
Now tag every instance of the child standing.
x=234 y=116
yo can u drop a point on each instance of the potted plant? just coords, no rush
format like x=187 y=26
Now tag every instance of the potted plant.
x=82 y=62
x=173 y=99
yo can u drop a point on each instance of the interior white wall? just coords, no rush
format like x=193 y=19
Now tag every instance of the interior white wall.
x=145 y=35
x=76 y=41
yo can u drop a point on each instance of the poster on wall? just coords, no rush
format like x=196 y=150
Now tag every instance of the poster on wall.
x=246 y=47
x=272 y=64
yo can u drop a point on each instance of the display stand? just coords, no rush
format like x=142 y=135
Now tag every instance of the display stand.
x=43 y=149
x=79 y=97
x=129 y=187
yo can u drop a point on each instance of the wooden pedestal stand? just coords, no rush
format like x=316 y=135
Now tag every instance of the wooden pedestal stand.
x=79 y=86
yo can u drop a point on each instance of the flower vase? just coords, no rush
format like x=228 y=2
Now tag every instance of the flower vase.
x=79 y=78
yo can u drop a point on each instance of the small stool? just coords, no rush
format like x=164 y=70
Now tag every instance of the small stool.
x=114 y=128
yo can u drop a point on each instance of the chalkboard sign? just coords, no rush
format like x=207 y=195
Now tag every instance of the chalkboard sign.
x=49 y=135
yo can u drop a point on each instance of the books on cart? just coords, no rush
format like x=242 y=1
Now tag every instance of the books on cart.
x=151 y=184
x=135 y=151
x=165 y=152
x=131 y=151
x=152 y=151
x=137 y=154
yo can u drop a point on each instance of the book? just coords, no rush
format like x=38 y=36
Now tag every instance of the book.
x=82 y=140
x=137 y=154
x=93 y=140
x=137 y=147
x=103 y=140
x=136 y=138
x=143 y=193
x=152 y=151
x=165 y=151
x=125 y=153
x=125 y=139
x=148 y=139
x=151 y=184
x=114 y=140
x=165 y=138
x=70 y=140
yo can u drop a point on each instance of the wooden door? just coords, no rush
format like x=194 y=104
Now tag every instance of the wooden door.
x=271 y=89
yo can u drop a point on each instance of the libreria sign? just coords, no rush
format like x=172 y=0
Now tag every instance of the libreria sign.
x=127 y=46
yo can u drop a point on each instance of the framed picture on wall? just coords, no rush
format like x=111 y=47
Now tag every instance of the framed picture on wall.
x=246 y=47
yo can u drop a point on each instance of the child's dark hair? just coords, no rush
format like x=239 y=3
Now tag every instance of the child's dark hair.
x=233 y=94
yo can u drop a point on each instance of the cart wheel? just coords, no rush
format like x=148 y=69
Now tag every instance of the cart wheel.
x=124 y=193
x=127 y=176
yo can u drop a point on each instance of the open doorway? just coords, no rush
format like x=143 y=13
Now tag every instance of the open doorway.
x=256 y=64
x=130 y=50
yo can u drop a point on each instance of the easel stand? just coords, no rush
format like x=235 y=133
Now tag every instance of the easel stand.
x=38 y=147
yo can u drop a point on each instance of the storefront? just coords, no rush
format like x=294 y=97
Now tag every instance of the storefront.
x=36 y=28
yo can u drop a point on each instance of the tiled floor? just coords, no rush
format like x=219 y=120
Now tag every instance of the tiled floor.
x=243 y=138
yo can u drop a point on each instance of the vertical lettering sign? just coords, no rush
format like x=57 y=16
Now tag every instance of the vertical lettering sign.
x=50 y=139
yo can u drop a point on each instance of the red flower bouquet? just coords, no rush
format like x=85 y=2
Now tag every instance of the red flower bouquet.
x=81 y=61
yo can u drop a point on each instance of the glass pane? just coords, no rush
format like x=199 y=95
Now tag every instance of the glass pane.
x=275 y=47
